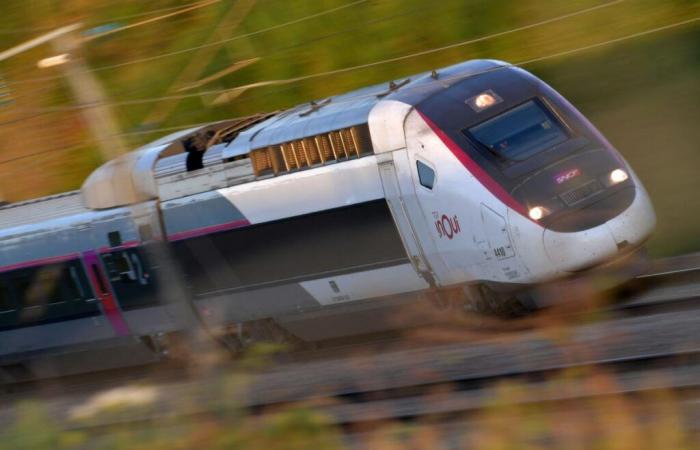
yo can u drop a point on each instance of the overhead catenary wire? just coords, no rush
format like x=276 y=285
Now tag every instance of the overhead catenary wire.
x=350 y=68
x=424 y=52
x=113 y=19
x=28 y=45
x=515 y=64
x=315 y=39
x=414 y=55
x=42 y=152
x=199 y=47
x=304 y=44
x=386 y=61
x=129 y=133
x=148 y=13
x=28 y=117
x=233 y=38
x=174 y=128
x=447 y=79
x=151 y=20
x=283 y=50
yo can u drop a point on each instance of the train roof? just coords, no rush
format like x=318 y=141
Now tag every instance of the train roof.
x=40 y=209
x=131 y=178
x=350 y=109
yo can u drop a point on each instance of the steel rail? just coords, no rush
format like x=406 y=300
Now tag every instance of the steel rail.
x=625 y=341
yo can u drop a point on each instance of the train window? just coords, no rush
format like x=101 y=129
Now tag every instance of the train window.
x=6 y=302
x=76 y=285
x=49 y=285
x=115 y=238
x=115 y=265
x=131 y=278
x=426 y=175
x=8 y=308
x=37 y=295
x=520 y=132
x=46 y=285
x=360 y=235
x=26 y=292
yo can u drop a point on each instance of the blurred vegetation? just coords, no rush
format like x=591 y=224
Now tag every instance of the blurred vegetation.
x=643 y=421
x=642 y=93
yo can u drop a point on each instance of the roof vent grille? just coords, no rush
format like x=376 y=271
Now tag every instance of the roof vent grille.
x=339 y=145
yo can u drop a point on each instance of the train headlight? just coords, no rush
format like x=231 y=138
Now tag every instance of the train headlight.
x=537 y=212
x=484 y=100
x=618 y=176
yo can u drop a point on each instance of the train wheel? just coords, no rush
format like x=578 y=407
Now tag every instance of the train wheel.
x=484 y=300
x=245 y=335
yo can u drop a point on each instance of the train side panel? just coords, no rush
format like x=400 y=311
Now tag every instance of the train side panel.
x=291 y=244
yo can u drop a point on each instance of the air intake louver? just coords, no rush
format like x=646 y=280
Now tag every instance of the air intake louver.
x=339 y=145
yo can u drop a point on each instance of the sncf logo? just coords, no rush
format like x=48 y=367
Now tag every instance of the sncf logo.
x=566 y=176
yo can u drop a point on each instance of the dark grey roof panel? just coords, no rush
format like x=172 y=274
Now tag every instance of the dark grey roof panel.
x=349 y=109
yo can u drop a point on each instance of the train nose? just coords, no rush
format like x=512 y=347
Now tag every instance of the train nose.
x=572 y=251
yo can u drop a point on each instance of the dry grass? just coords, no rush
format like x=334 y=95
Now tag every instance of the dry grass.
x=588 y=415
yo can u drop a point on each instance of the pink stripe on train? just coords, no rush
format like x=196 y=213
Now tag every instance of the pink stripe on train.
x=104 y=293
x=40 y=262
x=63 y=258
x=208 y=230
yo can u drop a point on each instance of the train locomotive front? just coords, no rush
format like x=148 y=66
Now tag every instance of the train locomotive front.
x=527 y=190
x=326 y=220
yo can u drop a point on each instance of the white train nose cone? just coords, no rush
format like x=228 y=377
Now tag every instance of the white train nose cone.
x=581 y=249
x=569 y=252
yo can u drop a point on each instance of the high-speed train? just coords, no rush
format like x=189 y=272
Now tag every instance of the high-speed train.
x=319 y=220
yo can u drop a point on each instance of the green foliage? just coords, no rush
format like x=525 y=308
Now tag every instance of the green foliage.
x=593 y=418
x=34 y=429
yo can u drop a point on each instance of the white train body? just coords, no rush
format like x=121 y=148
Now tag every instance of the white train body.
x=326 y=218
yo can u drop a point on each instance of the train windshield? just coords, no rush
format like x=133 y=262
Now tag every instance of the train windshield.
x=520 y=132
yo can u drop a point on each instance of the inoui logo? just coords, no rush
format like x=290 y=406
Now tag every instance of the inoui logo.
x=566 y=176
x=447 y=226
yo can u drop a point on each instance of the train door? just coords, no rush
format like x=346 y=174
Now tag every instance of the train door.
x=447 y=202
x=442 y=225
x=497 y=242
x=399 y=194
x=135 y=276
x=470 y=236
x=416 y=200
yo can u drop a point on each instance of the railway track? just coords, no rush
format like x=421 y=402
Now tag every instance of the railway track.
x=648 y=342
x=451 y=382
